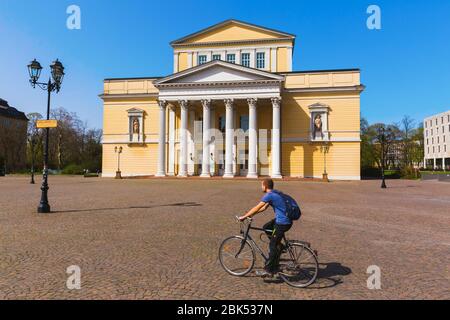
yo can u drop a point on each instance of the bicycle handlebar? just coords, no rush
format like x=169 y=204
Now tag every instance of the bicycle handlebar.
x=239 y=221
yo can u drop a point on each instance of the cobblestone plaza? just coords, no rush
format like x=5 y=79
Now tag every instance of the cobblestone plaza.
x=159 y=239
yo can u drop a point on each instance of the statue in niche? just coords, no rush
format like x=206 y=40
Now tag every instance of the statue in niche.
x=318 y=126
x=135 y=126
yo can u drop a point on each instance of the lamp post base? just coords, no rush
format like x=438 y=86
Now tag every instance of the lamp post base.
x=118 y=175
x=44 y=208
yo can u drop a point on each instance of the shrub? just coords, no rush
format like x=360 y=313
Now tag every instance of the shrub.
x=410 y=173
x=73 y=169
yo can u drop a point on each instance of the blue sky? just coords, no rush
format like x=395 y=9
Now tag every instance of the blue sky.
x=405 y=65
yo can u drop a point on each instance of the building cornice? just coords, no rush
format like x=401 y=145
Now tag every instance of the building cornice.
x=357 y=88
x=230 y=43
x=243 y=83
x=106 y=97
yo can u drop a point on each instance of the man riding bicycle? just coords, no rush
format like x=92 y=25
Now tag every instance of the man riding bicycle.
x=279 y=226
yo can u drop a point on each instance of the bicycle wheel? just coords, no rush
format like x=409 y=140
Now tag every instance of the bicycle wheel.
x=236 y=264
x=298 y=266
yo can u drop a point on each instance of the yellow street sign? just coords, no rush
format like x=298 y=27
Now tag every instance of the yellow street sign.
x=42 y=124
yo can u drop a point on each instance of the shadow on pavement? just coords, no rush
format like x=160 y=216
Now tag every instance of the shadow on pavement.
x=330 y=275
x=181 y=204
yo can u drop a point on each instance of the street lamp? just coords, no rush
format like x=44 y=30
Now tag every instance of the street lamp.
x=118 y=150
x=383 y=137
x=57 y=71
x=325 y=148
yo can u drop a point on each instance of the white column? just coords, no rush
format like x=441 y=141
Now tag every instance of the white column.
x=171 y=168
x=194 y=59
x=289 y=59
x=162 y=140
x=212 y=147
x=206 y=122
x=183 y=138
x=252 y=140
x=273 y=59
x=276 y=138
x=253 y=59
x=192 y=151
x=229 y=137
x=175 y=62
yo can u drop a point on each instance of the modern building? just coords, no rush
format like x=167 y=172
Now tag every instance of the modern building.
x=13 y=137
x=233 y=107
x=437 y=141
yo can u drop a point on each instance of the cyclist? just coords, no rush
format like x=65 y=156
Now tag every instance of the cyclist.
x=280 y=225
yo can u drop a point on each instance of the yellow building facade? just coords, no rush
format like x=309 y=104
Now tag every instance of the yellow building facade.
x=233 y=107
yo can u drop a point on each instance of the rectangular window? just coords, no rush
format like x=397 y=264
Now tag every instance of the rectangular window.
x=260 y=60
x=231 y=58
x=202 y=59
x=245 y=60
x=244 y=123
x=216 y=57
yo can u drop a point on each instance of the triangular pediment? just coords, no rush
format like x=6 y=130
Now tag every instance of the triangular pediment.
x=135 y=110
x=219 y=72
x=232 y=30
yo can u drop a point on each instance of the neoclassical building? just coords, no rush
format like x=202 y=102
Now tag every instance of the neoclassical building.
x=233 y=107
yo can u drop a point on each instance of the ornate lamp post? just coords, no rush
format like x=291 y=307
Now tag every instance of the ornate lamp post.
x=325 y=148
x=118 y=150
x=57 y=71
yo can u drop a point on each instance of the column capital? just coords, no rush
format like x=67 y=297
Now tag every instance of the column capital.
x=171 y=107
x=229 y=103
x=276 y=102
x=252 y=102
x=184 y=104
x=206 y=103
x=162 y=104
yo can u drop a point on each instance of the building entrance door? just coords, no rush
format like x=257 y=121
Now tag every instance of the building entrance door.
x=243 y=160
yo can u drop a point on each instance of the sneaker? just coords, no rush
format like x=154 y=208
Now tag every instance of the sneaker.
x=264 y=274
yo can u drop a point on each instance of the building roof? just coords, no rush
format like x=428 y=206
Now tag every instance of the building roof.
x=7 y=111
x=227 y=22
x=279 y=73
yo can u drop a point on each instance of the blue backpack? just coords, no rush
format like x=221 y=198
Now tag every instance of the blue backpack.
x=293 y=211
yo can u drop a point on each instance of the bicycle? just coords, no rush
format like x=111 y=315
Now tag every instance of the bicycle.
x=237 y=255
